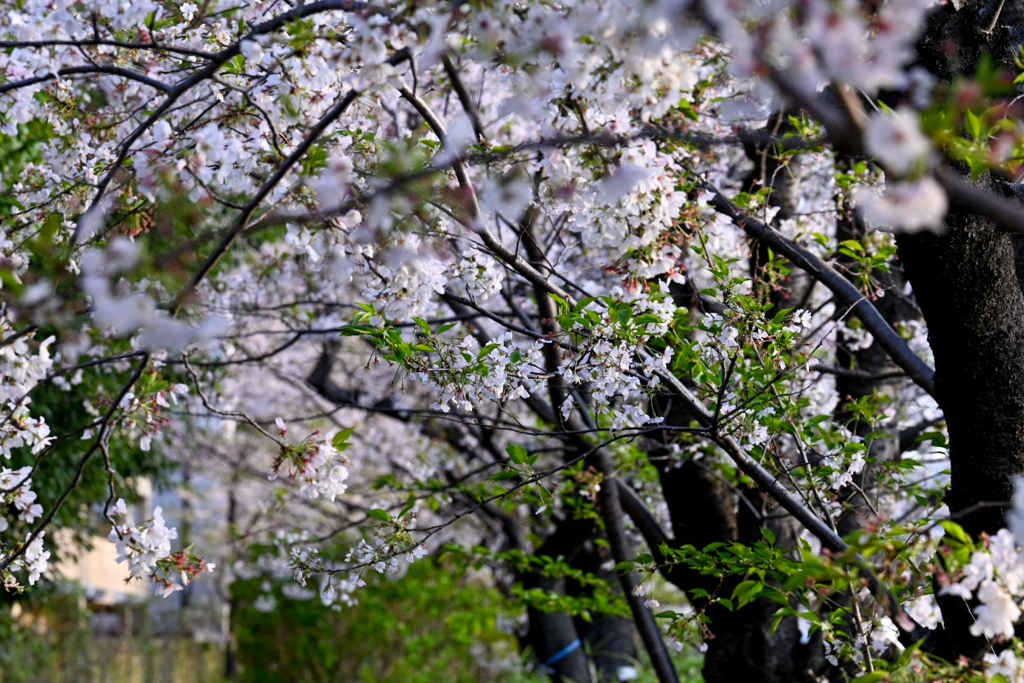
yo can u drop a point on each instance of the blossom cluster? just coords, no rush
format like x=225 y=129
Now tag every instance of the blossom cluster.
x=24 y=364
x=16 y=490
x=615 y=213
x=824 y=41
x=479 y=274
x=128 y=312
x=316 y=464
x=994 y=578
x=146 y=547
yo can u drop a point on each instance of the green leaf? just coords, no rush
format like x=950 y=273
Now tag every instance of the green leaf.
x=872 y=677
x=410 y=503
x=516 y=453
x=742 y=587
x=746 y=591
x=908 y=654
x=356 y=330
x=584 y=302
x=973 y=124
x=955 y=531
x=340 y=440
x=377 y=513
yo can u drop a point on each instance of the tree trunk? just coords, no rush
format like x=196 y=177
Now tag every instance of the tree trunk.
x=966 y=283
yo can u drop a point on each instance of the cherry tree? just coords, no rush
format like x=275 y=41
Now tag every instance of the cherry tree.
x=605 y=296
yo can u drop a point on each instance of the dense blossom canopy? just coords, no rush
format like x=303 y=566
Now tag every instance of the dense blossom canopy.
x=452 y=267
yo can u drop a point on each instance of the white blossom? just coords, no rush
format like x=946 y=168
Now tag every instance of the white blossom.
x=895 y=140
x=907 y=206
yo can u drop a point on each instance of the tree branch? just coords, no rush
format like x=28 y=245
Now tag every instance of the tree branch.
x=844 y=291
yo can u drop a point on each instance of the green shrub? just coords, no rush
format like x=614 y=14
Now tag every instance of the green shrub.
x=427 y=626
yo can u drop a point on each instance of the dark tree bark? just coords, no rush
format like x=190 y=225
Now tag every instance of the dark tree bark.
x=550 y=633
x=610 y=640
x=966 y=282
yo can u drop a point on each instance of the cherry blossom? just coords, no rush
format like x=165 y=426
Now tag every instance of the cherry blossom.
x=909 y=206
x=895 y=140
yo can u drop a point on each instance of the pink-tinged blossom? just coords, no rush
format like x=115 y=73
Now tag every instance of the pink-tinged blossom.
x=907 y=206
x=980 y=569
x=141 y=546
x=997 y=612
x=895 y=140
x=1004 y=664
x=316 y=465
x=146 y=547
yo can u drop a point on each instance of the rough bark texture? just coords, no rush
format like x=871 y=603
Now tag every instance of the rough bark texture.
x=966 y=282
x=610 y=640
x=967 y=286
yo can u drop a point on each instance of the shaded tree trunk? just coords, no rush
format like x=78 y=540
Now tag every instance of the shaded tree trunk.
x=552 y=635
x=966 y=283
x=610 y=640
